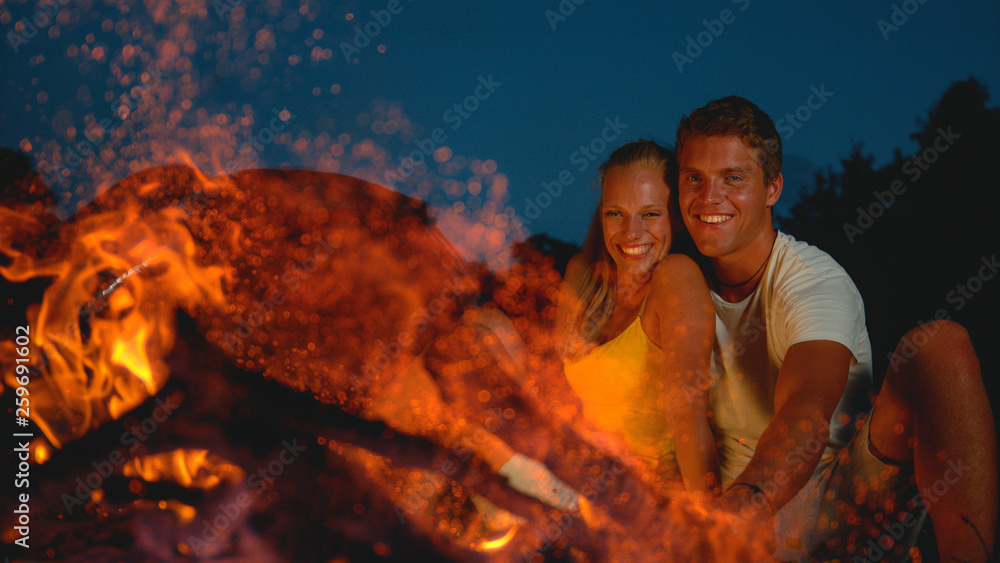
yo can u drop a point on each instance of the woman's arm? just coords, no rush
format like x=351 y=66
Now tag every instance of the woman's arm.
x=434 y=419
x=683 y=320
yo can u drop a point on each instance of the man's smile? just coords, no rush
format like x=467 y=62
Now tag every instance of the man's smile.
x=714 y=219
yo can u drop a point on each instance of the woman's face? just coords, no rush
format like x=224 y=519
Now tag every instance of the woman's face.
x=635 y=218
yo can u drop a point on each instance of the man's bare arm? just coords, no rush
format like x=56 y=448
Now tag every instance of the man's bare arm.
x=809 y=387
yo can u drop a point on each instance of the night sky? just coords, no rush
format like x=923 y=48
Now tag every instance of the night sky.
x=520 y=91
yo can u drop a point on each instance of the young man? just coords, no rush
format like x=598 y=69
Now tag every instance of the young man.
x=799 y=440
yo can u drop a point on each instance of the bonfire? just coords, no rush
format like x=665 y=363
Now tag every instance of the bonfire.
x=294 y=365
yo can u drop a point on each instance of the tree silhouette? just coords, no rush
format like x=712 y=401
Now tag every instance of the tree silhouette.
x=916 y=233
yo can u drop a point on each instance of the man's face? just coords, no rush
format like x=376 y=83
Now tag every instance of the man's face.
x=723 y=198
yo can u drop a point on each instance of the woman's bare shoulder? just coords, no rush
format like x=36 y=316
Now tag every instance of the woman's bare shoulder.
x=679 y=269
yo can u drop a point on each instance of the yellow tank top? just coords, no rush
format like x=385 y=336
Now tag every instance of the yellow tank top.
x=621 y=392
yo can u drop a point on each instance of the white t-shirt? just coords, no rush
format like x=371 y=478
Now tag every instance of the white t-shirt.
x=804 y=295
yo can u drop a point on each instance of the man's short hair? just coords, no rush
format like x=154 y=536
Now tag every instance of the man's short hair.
x=738 y=117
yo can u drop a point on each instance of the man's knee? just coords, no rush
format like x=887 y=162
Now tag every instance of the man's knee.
x=945 y=332
x=931 y=340
x=935 y=349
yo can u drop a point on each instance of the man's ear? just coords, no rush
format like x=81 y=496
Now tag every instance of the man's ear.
x=774 y=190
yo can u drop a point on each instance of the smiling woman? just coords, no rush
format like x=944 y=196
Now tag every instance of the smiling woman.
x=635 y=220
x=638 y=323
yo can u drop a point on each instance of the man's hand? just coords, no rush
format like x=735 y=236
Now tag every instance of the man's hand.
x=751 y=514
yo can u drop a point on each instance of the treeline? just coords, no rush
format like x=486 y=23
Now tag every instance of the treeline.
x=920 y=234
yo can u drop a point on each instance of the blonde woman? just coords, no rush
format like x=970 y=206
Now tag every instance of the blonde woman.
x=639 y=323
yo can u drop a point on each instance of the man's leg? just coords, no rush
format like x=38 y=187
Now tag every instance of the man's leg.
x=933 y=409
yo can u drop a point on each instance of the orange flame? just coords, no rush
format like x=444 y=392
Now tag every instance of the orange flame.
x=193 y=468
x=95 y=371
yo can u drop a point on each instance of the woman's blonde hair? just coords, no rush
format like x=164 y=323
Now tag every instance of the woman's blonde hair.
x=595 y=282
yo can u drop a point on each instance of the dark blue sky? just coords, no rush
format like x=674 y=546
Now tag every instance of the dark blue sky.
x=543 y=92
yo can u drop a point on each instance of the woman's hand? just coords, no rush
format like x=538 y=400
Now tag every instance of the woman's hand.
x=532 y=478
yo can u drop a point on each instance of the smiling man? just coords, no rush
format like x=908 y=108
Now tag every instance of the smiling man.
x=798 y=439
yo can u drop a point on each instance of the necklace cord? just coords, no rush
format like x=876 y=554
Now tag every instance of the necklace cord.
x=755 y=273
